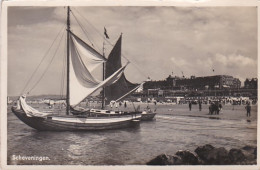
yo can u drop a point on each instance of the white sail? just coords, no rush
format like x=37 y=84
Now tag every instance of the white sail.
x=82 y=73
x=79 y=92
x=29 y=111
x=82 y=83
x=89 y=56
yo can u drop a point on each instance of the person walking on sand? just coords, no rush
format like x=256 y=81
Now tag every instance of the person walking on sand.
x=220 y=106
x=190 y=105
x=200 y=105
x=248 y=110
x=210 y=109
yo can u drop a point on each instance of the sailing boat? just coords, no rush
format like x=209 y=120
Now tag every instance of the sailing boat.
x=119 y=90
x=123 y=87
x=81 y=60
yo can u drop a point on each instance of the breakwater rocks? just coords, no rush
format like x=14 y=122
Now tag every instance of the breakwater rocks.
x=209 y=155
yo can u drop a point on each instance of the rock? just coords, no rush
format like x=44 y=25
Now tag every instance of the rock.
x=188 y=158
x=164 y=159
x=209 y=155
x=248 y=148
x=249 y=152
x=202 y=151
x=218 y=156
x=255 y=152
x=213 y=156
x=236 y=156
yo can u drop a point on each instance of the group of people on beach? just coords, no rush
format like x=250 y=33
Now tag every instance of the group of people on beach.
x=200 y=105
x=114 y=104
x=216 y=106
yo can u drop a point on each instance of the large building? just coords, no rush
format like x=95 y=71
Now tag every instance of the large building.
x=195 y=83
x=250 y=84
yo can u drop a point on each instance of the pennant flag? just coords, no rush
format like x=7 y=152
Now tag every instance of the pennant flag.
x=105 y=33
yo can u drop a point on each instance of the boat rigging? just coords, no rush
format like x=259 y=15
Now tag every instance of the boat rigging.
x=82 y=59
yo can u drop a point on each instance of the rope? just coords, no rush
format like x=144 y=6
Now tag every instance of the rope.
x=90 y=24
x=133 y=62
x=84 y=31
x=95 y=29
x=63 y=70
x=136 y=66
x=45 y=55
x=48 y=65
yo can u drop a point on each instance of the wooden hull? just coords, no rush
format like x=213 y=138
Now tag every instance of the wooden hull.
x=78 y=112
x=148 y=116
x=74 y=123
x=103 y=113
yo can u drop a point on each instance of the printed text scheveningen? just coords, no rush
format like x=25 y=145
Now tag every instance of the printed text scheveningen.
x=30 y=158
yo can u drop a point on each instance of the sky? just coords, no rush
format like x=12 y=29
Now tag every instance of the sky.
x=158 y=41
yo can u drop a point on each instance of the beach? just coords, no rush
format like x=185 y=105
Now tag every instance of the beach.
x=175 y=128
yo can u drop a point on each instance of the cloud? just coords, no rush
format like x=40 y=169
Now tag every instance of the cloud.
x=158 y=40
x=180 y=62
x=235 y=60
x=233 y=64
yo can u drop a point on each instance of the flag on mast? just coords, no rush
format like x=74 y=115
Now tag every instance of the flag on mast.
x=105 y=33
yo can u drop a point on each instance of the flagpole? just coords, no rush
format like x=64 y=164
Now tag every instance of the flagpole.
x=214 y=84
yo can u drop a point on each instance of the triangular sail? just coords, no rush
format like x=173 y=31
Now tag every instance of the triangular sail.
x=81 y=71
x=122 y=86
x=79 y=92
x=82 y=82
x=130 y=92
x=89 y=56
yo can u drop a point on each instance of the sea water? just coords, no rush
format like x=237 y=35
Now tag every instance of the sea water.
x=175 y=128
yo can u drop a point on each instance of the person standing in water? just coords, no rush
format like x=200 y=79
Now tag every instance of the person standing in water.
x=200 y=105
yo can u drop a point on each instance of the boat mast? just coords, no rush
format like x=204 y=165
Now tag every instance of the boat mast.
x=103 y=91
x=68 y=63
